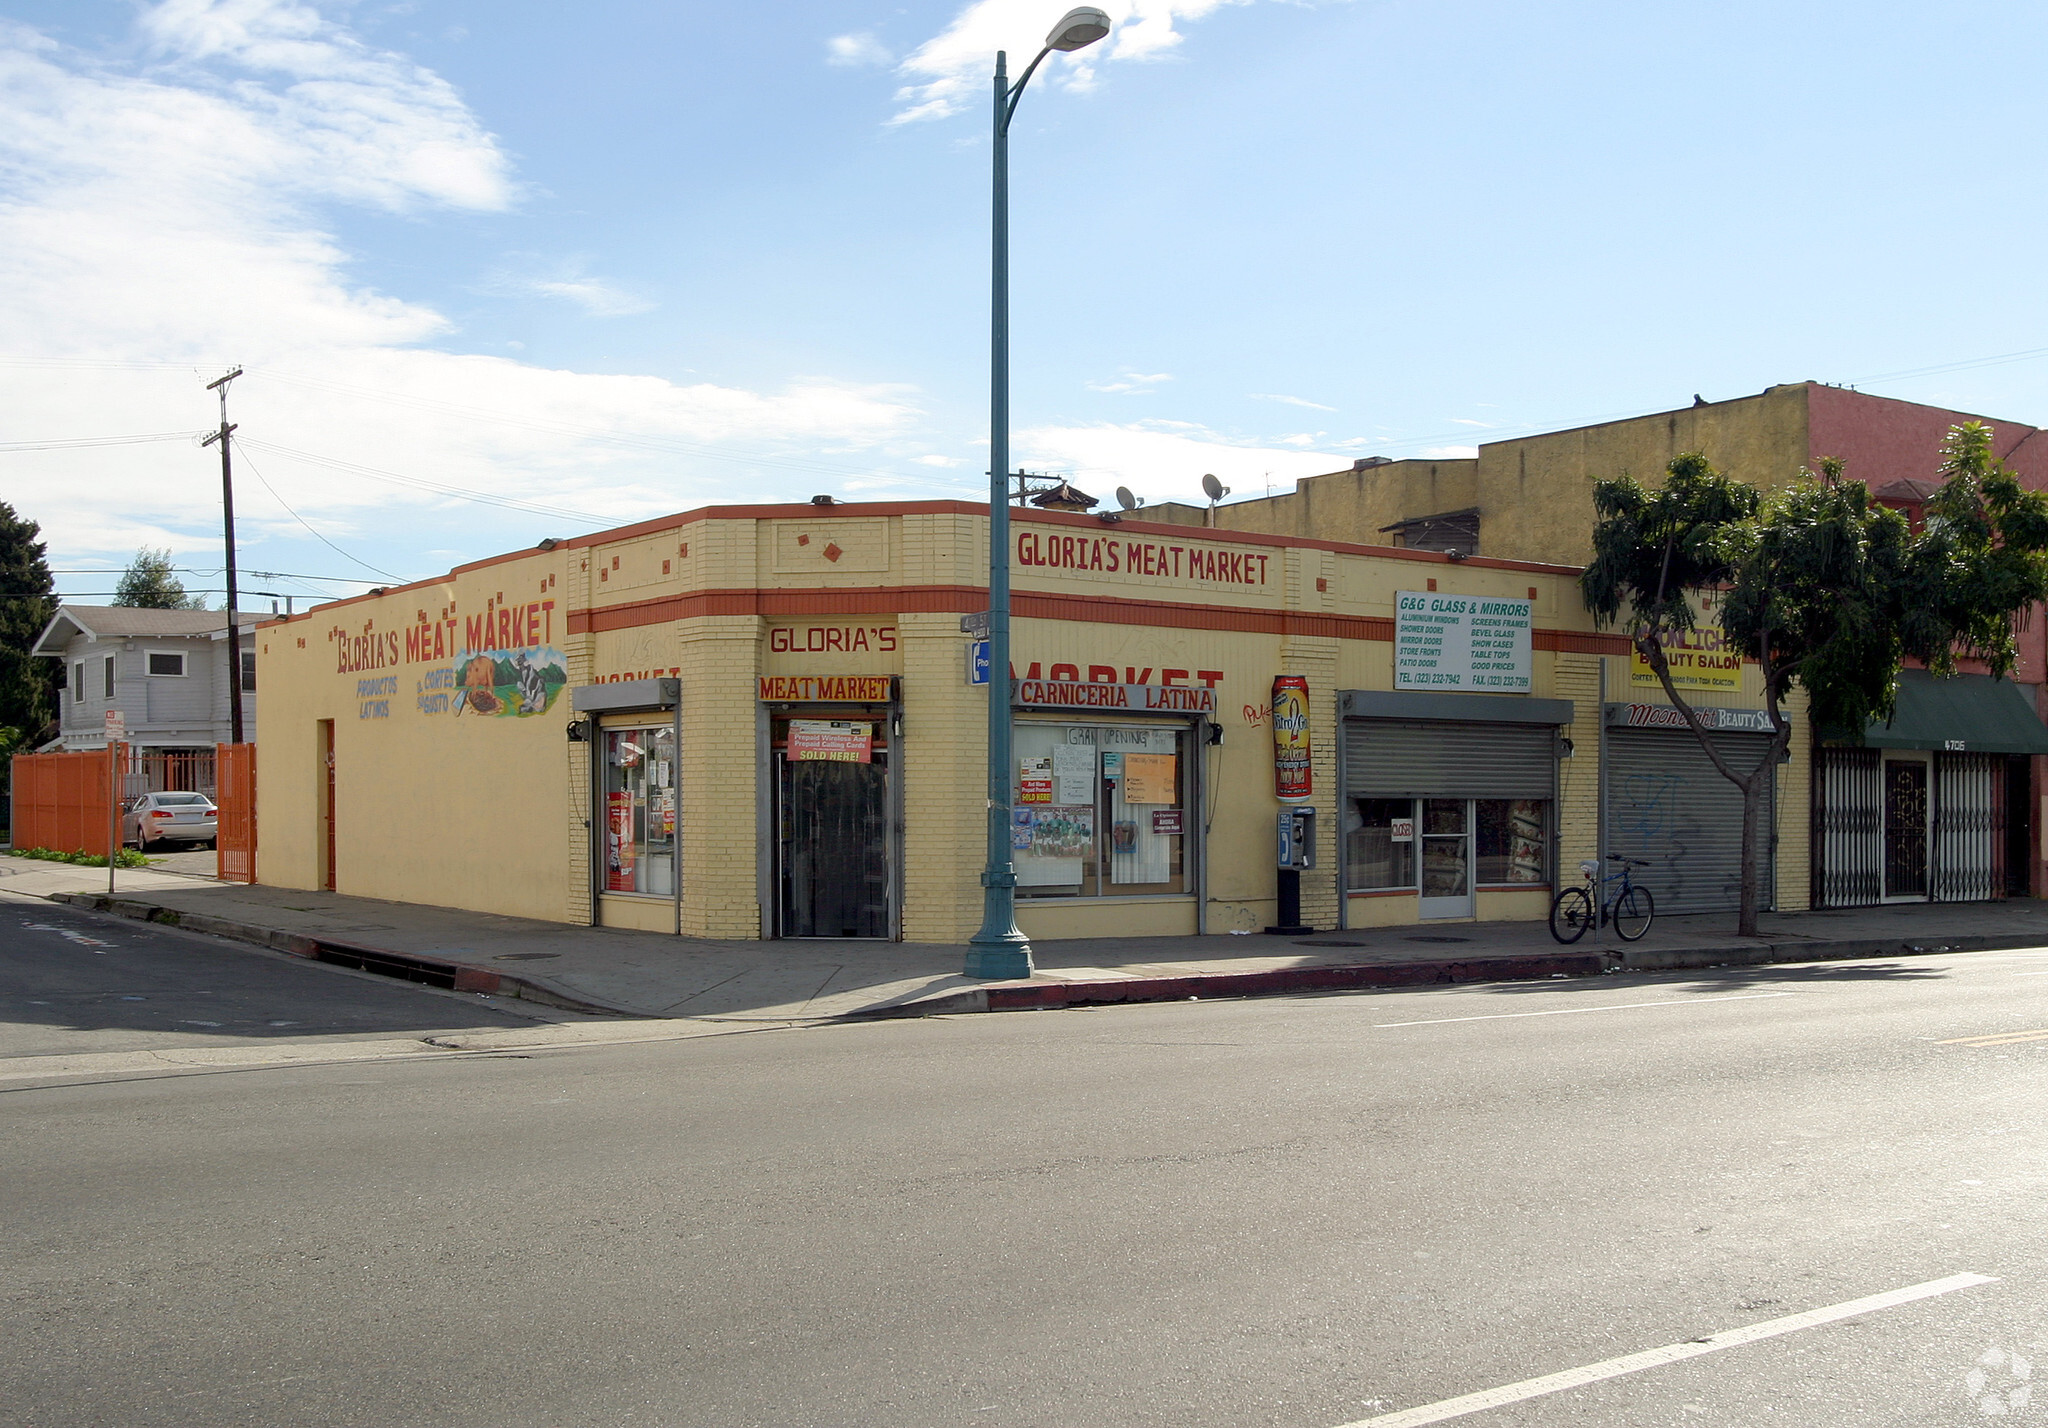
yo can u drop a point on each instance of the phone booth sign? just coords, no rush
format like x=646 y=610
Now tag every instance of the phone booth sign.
x=1293 y=781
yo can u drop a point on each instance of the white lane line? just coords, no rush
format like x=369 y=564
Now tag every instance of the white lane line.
x=1669 y=1354
x=1574 y=1011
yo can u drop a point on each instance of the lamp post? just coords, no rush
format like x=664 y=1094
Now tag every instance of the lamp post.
x=1000 y=949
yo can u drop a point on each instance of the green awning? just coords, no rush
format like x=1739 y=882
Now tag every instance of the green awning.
x=1971 y=713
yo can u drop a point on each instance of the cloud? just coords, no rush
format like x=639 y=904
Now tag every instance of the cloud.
x=1132 y=384
x=1467 y=421
x=1291 y=401
x=950 y=71
x=160 y=222
x=934 y=459
x=856 y=50
x=1165 y=461
x=569 y=283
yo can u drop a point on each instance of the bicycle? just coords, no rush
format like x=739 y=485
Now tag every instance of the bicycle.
x=1631 y=909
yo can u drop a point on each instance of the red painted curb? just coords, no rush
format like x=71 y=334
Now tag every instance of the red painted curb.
x=1045 y=995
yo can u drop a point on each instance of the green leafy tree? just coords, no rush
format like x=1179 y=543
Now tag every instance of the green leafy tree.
x=150 y=584
x=28 y=682
x=1823 y=588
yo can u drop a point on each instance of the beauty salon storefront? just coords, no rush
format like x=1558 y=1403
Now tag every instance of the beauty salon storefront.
x=774 y=728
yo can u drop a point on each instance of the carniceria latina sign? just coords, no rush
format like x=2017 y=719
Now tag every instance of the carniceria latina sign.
x=1461 y=641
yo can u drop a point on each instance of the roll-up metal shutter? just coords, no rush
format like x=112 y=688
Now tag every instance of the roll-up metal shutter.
x=1430 y=758
x=1669 y=805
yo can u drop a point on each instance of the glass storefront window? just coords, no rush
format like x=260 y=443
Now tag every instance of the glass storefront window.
x=1379 y=852
x=641 y=820
x=1510 y=843
x=1511 y=834
x=1099 y=810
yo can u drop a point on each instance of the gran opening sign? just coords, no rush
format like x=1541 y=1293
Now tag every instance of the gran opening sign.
x=1476 y=642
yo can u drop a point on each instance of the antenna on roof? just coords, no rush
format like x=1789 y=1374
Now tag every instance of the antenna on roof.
x=1216 y=491
x=1125 y=499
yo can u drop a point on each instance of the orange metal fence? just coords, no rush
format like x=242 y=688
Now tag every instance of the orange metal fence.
x=235 y=769
x=60 y=801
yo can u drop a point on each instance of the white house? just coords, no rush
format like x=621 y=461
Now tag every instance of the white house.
x=165 y=670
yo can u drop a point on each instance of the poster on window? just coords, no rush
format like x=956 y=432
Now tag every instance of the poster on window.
x=618 y=842
x=1073 y=773
x=832 y=741
x=1063 y=831
x=1149 y=778
x=1034 y=780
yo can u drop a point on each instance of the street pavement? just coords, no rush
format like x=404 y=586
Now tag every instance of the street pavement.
x=1306 y=1212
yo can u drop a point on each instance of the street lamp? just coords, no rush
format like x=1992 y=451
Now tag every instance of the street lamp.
x=1000 y=949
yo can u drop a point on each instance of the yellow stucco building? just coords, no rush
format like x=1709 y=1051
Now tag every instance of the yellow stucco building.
x=762 y=722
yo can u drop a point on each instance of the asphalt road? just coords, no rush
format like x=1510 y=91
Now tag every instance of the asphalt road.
x=80 y=983
x=1298 y=1212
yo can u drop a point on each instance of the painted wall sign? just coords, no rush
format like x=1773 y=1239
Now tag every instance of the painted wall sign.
x=1140 y=698
x=1697 y=659
x=831 y=639
x=1663 y=716
x=1145 y=559
x=1461 y=641
x=825 y=688
x=834 y=741
x=515 y=686
x=1061 y=672
x=1293 y=777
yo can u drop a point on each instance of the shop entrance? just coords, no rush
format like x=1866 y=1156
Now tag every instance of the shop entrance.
x=833 y=874
x=1905 y=829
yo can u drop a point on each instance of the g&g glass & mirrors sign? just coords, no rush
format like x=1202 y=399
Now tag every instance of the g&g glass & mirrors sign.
x=1461 y=641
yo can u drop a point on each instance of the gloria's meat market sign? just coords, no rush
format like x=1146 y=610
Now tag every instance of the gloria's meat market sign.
x=1145 y=558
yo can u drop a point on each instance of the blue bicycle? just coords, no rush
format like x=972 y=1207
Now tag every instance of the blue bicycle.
x=1631 y=909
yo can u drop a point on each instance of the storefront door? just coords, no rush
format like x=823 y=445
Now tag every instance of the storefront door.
x=1447 y=887
x=1905 y=829
x=833 y=847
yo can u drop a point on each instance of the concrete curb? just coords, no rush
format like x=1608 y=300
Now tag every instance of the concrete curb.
x=1046 y=996
x=406 y=966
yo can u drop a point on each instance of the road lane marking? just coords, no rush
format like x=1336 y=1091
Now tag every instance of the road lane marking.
x=1670 y=1354
x=1997 y=1038
x=1574 y=1011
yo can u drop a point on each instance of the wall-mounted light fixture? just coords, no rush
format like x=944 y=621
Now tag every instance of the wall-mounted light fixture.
x=579 y=731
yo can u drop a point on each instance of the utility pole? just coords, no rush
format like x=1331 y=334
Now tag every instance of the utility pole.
x=227 y=504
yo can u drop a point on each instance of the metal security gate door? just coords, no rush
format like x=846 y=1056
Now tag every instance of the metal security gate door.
x=1848 y=820
x=1905 y=828
x=1969 y=827
x=1668 y=804
x=833 y=848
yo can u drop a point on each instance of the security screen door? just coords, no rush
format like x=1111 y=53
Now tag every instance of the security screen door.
x=834 y=848
x=1905 y=828
x=1446 y=834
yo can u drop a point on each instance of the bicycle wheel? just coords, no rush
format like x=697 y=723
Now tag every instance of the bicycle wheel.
x=1571 y=913
x=1633 y=912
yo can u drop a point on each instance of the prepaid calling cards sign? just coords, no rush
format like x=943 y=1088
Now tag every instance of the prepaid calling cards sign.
x=1461 y=641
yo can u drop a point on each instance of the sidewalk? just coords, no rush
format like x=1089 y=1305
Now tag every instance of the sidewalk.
x=650 y=975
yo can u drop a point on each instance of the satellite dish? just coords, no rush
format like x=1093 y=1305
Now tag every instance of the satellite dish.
x=1125 y=499
x=1216 y=489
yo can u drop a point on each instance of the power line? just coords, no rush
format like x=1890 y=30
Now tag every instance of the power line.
x=464 y=493
x=216 y=570
x=71 y=443
x=302 y=521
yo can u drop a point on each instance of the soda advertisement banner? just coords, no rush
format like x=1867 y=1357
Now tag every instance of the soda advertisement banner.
x=834 y=741
x=618 y=842
x=1293 y=779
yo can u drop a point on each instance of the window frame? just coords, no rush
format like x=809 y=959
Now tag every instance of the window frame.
x=78 y=681
x=107 y=682
x=1098 y=876
x=150 y=657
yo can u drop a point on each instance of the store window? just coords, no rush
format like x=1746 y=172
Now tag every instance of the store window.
x=1510 y=838
x=1099 y=810
x=640 y=816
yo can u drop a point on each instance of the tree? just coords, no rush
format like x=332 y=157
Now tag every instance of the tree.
x=1824 y=589
x=28 y=682
x=149 y=584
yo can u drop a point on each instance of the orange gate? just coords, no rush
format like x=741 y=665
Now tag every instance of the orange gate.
x=60 y=801
x=235 y=843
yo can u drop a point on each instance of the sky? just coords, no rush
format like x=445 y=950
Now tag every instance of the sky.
x=501 y=271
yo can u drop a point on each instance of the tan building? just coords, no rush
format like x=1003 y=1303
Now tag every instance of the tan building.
x=1939 y=805
x=761 y=722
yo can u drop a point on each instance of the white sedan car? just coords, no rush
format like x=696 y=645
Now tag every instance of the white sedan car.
x=157 y=818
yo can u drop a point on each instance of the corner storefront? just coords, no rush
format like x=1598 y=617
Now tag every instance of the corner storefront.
x=767 y=722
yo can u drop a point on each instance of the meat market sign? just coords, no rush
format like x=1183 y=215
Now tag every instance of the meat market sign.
x=1145 y=559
